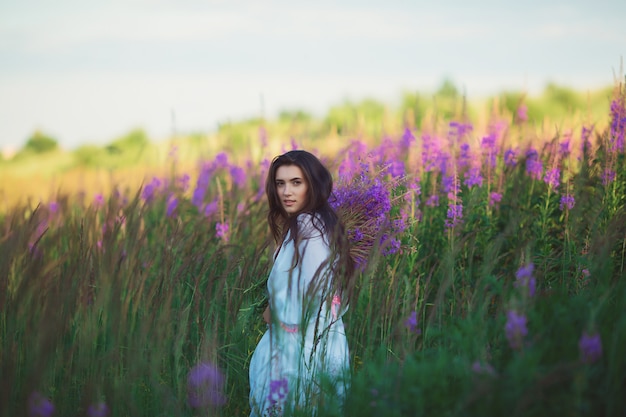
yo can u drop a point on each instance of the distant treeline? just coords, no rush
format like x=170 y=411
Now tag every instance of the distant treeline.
x=365 y=118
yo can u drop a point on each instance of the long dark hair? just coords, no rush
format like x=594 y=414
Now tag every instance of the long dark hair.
x=319 y=191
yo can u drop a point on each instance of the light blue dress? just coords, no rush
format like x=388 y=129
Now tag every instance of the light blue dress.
x=302 y=360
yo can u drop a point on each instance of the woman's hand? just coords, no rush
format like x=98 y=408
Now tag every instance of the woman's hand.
x=267 y=315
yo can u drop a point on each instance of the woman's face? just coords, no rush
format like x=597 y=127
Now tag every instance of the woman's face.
x=292 y=188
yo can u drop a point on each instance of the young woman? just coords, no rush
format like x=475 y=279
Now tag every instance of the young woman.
x=302 y=361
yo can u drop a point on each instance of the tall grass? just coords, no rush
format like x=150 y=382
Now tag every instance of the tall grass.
x=114 y=300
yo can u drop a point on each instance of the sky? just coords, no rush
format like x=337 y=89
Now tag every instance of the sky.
x=88 y=71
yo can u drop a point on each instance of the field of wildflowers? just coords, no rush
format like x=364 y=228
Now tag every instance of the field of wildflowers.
x=491 y=280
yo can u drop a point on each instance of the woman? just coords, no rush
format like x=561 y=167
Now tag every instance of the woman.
x=302 y=361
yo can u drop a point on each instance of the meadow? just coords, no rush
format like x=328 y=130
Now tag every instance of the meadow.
x=494 y=286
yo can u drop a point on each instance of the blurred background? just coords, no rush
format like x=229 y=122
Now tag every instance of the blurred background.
x=92 y=72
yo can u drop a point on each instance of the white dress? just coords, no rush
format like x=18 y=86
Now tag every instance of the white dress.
x=302 y=360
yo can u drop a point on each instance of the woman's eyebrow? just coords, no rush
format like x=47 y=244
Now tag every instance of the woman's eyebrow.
x=292 y=179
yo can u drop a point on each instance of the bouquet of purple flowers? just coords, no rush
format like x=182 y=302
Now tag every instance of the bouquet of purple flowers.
x=363 y=204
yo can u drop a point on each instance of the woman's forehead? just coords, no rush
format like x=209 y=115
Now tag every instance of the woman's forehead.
x=289 y=172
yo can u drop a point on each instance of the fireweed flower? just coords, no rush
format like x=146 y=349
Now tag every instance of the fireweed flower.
x=407 y=138
x=564 y=147
x=454 y=215
x=221 y=231
x=488 y=145
x=515 y=329
x=534 y=166
x=172 y=203
x=238 y=175
x=494 y=198
x=98 y=410
x=202 y=184
x=205 y=386
x=608 y=176
x=53 y=206
x=396 y=168
x=210 y=209
x=433 y=201
x=39 y=406
x=465 y=157
x=510 y=157
x=567 y=202
x=585 y=134
x=618 y=125
x=524 y=278
x=590 y=347
x=149 y=190
x=553 y=178
x=411 y=323
x=473 y=177
x=98 y=200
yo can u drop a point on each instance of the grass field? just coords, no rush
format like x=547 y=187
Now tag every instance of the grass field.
x=499 y=288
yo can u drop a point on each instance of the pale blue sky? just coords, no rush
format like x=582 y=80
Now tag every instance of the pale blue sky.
x=88 y=71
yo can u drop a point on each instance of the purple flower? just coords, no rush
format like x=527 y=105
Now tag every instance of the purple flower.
x=211 y=209
x=39 y=406
x=53 y=206
x=590 y=347
x=98 y=410
x=279 y=389
x=98 y=200
x=433 y=201
x=221 y=231
x=407 y=138
x=608 y=176
x=390 y=245
x=618 y=125
x=524 y=278
x=488 y=144
x=238 y=175
x=448 y=183
x=494 y=198
x=567 y=202
x=455 y=214
x=148 y=191
x=585 y=134
x=553 y=178
x=564 y=147
x=171 y=205
x=412 y=324
x=396 y=168
x=534 y=166
x=465 y=157
x=202 y=184
x=221 y=160
x=205 y=385
x=515 y=329
x=473 y=177
x=510 y=157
